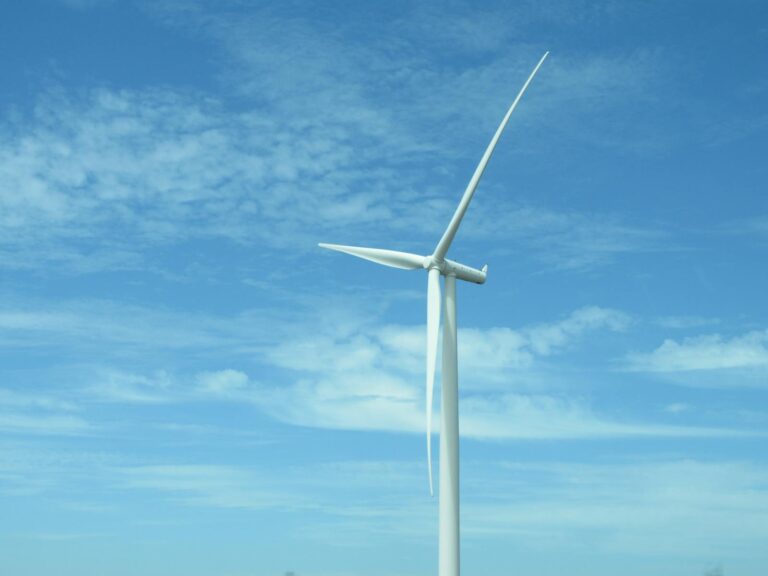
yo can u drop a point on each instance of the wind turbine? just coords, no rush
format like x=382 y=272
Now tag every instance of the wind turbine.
x=438 y=265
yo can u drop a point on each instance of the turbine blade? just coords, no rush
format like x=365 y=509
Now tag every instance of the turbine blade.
x=450 y=232
x=433 y=330
x=403 y=260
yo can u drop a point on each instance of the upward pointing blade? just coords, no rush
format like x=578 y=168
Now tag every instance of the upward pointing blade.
x=450 y=232
x=392 y=258
x=433 y=331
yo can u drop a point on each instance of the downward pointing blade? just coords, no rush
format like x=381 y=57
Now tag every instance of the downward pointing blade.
x=433 y=330
x=392 y=258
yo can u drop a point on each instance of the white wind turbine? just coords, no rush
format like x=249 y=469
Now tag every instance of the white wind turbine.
x=438 y=265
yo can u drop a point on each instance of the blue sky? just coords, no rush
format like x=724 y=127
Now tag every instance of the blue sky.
x=188 y=385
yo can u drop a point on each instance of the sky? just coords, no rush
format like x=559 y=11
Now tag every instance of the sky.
x=190 y=386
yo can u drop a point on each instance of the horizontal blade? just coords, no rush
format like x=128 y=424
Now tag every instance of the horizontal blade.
x=433 y=332
x=403 y=260
x=450 y=232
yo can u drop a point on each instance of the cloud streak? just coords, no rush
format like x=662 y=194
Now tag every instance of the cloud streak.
x=543 y=504
x=706 y=353
x=139 y=169
x=632 y=508
x=37 y=414
x=371 y=379
x=208 y=485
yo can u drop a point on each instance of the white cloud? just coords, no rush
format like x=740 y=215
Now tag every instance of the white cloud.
x=26 y=413
x=677 y=408
x=563 y=240
x=123 y=387
x=498 y=351
x=547 y=338
x=321 y=353
x=685 y=322
x=348 y=374
x=498 y=354
x=137 y=169
x=16 y=399
x=378 y=401
x=706 y=353
x=365 y=400
x=402 y=102
x=353 y=376
x=372 y=379
x=644 y=508
x=42 y=424
x=300 y=65
x=160 y=387
x=208 y=485
x=222 y=381
x=140 y=168
x=515 y=416
x=641 y=509
x=757 y=227
x=124 y=329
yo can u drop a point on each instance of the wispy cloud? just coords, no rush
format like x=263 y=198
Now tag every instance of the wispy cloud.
x=633 y=506
x=333 y=494
x=25 y=413
x=755 y=227
x=401 y=348
x=17 y=399
x=547 y=338
x=560 y=240
x=677 y=408
x=560 y=505
x=207 y=485
x=371 y=379
x=348 y=374
x=306 y=58
x=703 y=353
x=640 y=509
x=138 y=169
x=97 y=324
x=685 y=322
x=43 y=424
x=122 y=387
x=516 y=416
x=334 y=371
x=223 y=381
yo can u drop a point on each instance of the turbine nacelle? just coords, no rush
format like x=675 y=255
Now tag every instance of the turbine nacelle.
x=463 y=272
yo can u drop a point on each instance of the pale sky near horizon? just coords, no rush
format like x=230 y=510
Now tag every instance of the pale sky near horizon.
x=189 y=386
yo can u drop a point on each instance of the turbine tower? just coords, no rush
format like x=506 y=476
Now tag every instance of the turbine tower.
x=438 y=265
